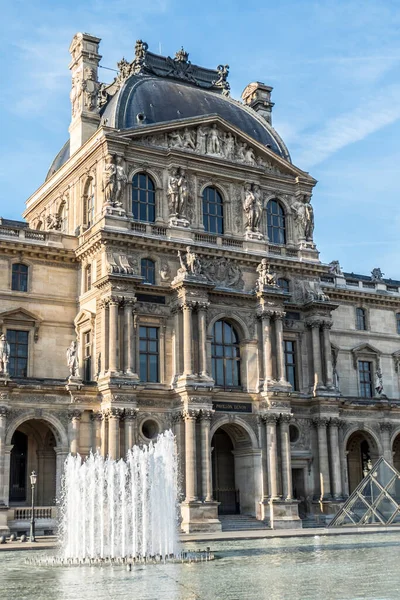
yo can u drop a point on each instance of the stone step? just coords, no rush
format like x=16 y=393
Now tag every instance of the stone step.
x=241 y=523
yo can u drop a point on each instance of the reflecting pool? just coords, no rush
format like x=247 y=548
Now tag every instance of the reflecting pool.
x=346 y=567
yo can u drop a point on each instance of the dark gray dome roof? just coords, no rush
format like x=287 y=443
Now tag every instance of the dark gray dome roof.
x=162 y=99
x=59 y=160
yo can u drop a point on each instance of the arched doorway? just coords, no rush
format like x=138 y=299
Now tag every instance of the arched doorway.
x=362 y=453
x=233 y=470
x=33 y=449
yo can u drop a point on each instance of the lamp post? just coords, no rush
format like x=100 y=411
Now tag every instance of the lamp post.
x=33 y=477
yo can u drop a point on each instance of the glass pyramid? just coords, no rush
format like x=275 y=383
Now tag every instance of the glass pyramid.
x=376 y=500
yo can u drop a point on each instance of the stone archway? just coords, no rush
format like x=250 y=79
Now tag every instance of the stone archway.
x=34 y=444
x=362 y=452
x=233 y=469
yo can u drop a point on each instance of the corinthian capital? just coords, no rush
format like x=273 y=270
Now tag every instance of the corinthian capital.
x=191 y=414
x=320 y=421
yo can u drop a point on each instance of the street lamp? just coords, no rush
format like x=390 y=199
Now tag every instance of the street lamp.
x=33 y=477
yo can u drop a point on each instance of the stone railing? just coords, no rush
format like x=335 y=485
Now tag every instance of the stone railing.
x=41 y=512
x=27 y=234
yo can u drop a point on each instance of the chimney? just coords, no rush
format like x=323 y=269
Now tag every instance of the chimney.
x=257 y=95
x=85 y=87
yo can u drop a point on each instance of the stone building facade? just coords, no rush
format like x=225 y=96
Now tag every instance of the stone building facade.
x=166 y=276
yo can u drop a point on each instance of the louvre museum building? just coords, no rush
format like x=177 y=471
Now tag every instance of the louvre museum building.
x=164 y=276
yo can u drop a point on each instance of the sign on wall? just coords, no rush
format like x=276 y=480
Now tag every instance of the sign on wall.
x=241 y=407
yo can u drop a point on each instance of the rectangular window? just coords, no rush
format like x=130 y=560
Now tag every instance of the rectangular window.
x=149 y=354
x=19 y=279
x=88 y=278
x=90 y=209
x=290 y=362
x=87 y=356
x=365 y=378
x=361 y=319
x=398 y=322
x=18 y=340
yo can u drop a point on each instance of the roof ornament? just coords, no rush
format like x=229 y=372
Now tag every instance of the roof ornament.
x=221 y=81
x=182 y=56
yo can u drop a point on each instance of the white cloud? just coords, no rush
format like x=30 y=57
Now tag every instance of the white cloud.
x=376 y=112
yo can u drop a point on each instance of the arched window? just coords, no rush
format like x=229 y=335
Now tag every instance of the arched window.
x=225 y=355
x=283 y=284
x=276 y=223
x=148 y=270
x=19 y=279
x=143 y=198
x=213 y=211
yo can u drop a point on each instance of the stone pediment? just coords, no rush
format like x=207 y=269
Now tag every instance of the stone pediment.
x=365 y=351
x=19 y=314
x=84 y=316
x=23 y=317
x=214 y=137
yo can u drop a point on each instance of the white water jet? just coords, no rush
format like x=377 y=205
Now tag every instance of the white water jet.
x=124 y=508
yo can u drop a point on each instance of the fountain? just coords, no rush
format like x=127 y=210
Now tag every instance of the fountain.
x=124 y=509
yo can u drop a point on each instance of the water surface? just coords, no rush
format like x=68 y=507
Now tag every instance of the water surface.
x=318 y=568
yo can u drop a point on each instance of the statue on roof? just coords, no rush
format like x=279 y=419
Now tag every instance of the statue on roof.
x=377 y=275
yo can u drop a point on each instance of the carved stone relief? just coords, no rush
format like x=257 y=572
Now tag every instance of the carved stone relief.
x=212 y=141
x=305 y=290
x=122 y=263
x=223 y=272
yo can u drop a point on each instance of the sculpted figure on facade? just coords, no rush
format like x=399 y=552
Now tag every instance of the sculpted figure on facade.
x=213 y=141
x=201 y=140
x=190 y=263
x=72 y=359
x=53 y=221
x=187 y=139
x=252 y=206
x=266 y=278
x=304 y=218
x=178 y=192
x=165 y=272
x=229 y=147
x=4 y=354
x=90 y=89
x=114 y=181
x=377 y=275
x=335 y=268
x=76 y=94
x=223 y=272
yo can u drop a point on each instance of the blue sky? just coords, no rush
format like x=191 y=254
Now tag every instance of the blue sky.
x=334 y=66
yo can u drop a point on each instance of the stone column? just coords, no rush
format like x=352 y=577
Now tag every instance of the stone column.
x=280 y=357
x=316 y=351
x=73 y=431
x=272 y=454
x=96 y=418
x=113 y=347
x=206 y=472
x=264 y=460
x=104 y=433
x=343 y=461
x=323 y=459
x=129 y=424
x=187 y=339
x=3 y=421
x=267 y=346
x=386 y=431
x=104 y=336
x=128 y=338
x=335 y=458
x=326 y=327
x=202 y=311
x=286 y=459
x=190 y=454
x=61 y=455
x=114 y=416
x=177 y=420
